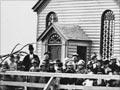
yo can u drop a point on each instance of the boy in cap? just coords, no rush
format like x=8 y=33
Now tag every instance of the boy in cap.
x=81 y=70
x=70 y=69
x=28 y=58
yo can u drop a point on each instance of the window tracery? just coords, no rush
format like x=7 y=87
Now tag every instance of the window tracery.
x=107 y=34
x=51 y=18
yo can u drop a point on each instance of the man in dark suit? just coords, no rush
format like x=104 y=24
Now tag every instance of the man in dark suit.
x=28 y=59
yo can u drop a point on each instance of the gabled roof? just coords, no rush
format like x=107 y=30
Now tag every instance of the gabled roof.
x=39 y=3
x=67 y=31
x=35 y=7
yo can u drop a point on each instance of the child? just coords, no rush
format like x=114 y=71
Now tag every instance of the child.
x=34 y=68
x=81 y=70
x=70 y=69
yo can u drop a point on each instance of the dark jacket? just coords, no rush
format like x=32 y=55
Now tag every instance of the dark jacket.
x=27 y=61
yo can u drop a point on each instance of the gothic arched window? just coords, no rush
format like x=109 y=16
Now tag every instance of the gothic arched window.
x=107 y=33
x=51 y=18
x=54 y=39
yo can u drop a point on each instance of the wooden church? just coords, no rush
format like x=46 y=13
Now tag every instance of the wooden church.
x=65 y=27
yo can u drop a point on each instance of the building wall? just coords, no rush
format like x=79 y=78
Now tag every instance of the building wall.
x=87 y=14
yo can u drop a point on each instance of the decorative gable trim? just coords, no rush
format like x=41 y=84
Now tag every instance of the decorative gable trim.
x=47 y=30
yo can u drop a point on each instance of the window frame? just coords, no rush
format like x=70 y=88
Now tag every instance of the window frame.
x=107 y=34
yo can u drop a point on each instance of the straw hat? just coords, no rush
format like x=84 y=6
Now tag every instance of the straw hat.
x=70 y=63
x=74 y=54
x=81 y=62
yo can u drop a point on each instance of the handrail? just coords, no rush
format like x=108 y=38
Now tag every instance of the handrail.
x=63 y=75
x=40 y=85
x=24 y=84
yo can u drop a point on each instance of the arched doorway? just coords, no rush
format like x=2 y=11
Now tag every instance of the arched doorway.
x=54 y=46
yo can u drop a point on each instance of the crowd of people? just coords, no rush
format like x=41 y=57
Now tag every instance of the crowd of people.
x=31 y=62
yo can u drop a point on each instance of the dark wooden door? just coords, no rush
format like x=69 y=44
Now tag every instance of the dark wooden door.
x=55 y=52
x=82 y=52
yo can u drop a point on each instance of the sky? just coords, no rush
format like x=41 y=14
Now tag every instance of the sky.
x=18 y=24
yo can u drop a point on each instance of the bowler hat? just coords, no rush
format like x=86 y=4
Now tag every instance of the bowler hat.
x=12 y=56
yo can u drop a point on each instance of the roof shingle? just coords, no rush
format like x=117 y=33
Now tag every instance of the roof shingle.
x=68 y=31
x=72 y=32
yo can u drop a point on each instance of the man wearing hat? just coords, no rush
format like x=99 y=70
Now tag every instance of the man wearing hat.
x=75 y=57
x=28 y=58
x=47 y=57
x=69 y=69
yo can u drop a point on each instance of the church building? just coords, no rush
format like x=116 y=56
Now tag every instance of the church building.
x=65 y=27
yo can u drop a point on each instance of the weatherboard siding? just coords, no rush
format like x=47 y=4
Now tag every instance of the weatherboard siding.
x=87 y=14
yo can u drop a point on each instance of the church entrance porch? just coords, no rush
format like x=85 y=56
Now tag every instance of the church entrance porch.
x=64 y=40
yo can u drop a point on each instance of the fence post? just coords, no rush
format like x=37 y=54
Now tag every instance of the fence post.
x=25 y=87
x=49 y=84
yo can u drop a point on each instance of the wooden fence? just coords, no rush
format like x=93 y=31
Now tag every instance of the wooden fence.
x=48 y=85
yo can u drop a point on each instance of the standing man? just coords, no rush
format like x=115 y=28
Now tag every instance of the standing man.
x=27 y=61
